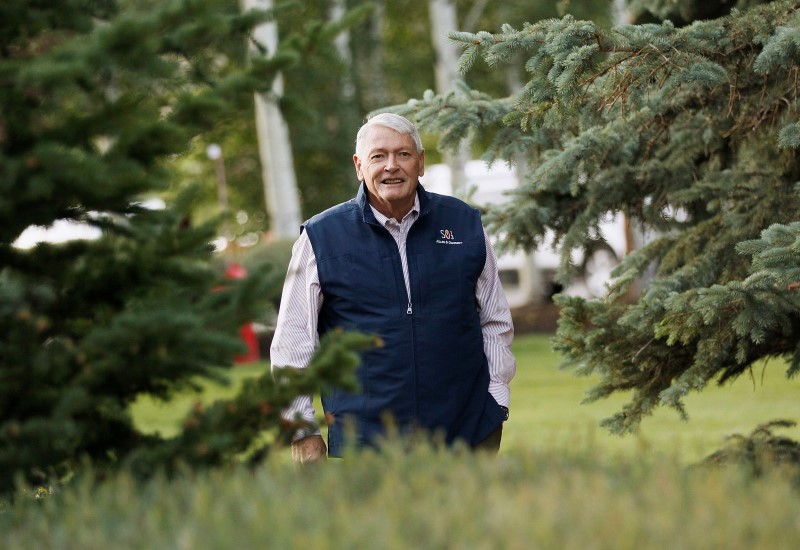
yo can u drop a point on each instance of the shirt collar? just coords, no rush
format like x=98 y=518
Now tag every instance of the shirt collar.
x=413 y=213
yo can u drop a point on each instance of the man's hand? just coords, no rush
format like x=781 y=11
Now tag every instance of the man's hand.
x=309 y=450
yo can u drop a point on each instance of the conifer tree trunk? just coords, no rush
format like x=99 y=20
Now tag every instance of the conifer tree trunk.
x=274 y=144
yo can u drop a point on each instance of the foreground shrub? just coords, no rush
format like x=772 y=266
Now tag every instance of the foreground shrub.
x=429 y=498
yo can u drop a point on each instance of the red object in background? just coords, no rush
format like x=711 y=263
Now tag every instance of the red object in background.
x=235 y=271
x=249 y=338
x=248 y=335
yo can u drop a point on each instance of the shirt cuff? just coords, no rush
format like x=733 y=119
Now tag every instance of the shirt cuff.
x=501 y=393
x=301 y=409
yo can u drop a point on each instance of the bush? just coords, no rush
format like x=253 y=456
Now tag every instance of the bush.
x=429 y=498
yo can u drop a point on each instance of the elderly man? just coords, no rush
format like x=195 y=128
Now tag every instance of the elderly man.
x=418 y=270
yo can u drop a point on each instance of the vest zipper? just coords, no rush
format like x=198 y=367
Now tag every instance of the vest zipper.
x=409 y=310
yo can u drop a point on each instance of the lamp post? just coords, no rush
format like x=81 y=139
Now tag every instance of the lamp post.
x=214 y=153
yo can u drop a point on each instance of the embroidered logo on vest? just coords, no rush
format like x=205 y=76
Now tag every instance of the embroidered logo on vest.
x=447 y=237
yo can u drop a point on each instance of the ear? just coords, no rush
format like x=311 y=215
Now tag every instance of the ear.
x=357 y=163
x=422 y=162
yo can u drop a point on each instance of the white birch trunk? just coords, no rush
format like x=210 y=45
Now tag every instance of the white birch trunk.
x=443 y=21
x=620 y=13
x=342 y=44
x=274 y=144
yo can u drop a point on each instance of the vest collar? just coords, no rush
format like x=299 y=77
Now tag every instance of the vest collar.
x=369 y=217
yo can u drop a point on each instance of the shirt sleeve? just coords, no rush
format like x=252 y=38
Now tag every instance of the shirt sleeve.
x=497 y=328
x=296 y=338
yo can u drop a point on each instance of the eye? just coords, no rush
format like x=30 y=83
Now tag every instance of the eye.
x=377 y=156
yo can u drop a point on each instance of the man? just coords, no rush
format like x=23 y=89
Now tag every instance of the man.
x=416 y=269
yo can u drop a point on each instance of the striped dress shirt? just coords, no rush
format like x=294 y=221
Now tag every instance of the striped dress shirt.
x=296 y=338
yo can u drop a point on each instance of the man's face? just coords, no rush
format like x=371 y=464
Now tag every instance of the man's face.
x=391 y=168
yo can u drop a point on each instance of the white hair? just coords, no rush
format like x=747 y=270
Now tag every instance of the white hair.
x=389 y=120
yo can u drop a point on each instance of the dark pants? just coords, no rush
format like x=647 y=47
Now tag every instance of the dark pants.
x=492 y=442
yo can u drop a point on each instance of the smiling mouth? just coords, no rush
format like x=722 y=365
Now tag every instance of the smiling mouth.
x=392 y=181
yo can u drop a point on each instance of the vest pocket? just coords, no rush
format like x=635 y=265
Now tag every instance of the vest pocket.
x=447 y=279
x=363 y=284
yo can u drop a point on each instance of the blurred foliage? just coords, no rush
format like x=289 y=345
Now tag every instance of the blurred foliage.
x=426 y=498
x=761 y=452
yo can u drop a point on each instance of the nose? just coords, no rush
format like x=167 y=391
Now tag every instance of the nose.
x=391 y=163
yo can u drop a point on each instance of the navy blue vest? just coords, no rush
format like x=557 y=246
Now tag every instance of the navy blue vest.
x=431 y=373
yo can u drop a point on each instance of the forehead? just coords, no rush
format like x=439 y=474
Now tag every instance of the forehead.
x=381 y=137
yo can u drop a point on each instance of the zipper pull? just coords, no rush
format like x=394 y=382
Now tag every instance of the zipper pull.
x=408 y=309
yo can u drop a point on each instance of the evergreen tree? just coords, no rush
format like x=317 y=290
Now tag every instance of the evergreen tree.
x=96 y=100
x=690 y=130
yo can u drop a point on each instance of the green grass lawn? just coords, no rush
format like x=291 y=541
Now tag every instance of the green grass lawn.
x=547 y=414
x=165 y=418
x=547 y=411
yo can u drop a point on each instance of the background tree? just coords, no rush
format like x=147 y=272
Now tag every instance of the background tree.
x=97 y=99
x=274 y=145
x=322 y=101
x=314 y=109
x=690 y=130
x=389 y=58
x=443 y=19
x=410 y=58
